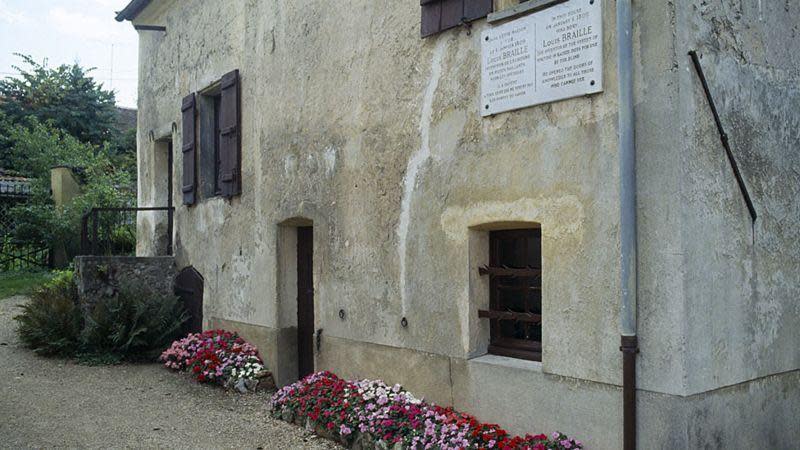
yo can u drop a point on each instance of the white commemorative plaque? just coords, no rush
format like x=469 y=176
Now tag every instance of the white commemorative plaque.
x=547 y=56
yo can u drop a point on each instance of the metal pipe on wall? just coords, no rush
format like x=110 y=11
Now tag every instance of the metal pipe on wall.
x=628 y=236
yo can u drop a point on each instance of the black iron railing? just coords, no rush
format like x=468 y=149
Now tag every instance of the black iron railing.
x=113 y=231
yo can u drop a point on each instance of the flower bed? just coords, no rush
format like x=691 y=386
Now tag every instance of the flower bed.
x=371 y=414
x=215 y=356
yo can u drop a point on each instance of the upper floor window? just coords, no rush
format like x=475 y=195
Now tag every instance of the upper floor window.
x=515 y=297
x=212 y=118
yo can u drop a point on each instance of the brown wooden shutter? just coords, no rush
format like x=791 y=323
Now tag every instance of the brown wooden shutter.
x=189 y=149
x=452 y=13
x=440 y=15
x=431 y=17
x=230 y=153
x=477 y=9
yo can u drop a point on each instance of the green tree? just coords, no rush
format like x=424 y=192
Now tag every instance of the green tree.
x=63 y=117
x=64 y=97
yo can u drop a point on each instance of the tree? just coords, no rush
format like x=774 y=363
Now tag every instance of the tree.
x=62 y=117
x=64 y=97
x=103 y=185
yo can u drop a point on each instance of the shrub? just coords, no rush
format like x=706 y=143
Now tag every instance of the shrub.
x=133 y=325
x=214 y=356
x=394 y=416
x=50 y=322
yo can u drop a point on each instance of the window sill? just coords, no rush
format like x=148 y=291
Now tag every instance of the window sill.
x=511 y=363
x=523 y=8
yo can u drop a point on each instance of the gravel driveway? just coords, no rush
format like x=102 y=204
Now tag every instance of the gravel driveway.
x=56 y=403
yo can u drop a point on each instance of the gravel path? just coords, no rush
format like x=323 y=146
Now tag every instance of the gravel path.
x=56 y=403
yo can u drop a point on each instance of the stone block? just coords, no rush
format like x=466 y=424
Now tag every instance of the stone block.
x=100 y=277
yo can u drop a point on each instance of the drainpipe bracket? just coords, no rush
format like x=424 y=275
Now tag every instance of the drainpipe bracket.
x=629 y=344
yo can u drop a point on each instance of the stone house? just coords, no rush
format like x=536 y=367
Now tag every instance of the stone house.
x=342 y=200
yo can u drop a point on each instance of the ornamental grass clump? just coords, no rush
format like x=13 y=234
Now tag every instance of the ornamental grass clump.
x=214 y=356
x=371 y=410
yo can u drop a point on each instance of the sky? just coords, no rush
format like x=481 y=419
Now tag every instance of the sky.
x=68 y=31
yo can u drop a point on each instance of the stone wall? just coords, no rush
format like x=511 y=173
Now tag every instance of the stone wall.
x=100 y=277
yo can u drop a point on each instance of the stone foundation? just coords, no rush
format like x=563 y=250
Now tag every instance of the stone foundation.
x=522 y=397
x=101 y=277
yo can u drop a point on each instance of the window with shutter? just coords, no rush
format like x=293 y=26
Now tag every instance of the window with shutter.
x=208 y=158
x=515 y=297
x=189 y=153
x=230 y=155
x=440 y=15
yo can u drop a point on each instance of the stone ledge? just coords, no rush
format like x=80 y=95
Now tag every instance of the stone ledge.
x=511 y=363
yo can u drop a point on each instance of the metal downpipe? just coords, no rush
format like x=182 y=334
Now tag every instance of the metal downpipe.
x=627 y=174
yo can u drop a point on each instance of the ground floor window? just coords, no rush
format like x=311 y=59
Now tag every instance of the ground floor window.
x=515 y=298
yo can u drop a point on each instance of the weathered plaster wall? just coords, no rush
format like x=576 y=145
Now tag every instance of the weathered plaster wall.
x=379 y=143
x=353 y=122
x=741 y=282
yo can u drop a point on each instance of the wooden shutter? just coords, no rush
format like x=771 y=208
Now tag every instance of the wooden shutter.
x=431 y=16
x=230 y=154
x=477 y=9
x=440 y=15
x=189 y=149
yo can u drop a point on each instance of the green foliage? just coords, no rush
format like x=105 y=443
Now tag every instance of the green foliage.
x=36 y=150
x=37 y=147
x=61 y=117
x=6 y=126
x=123 y=239
x=50 y=322
x=133 y=325
x=65 y=97
x=123 y=153
x=64 y=280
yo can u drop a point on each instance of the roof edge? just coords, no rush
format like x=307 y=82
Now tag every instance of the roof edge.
x=132 y=10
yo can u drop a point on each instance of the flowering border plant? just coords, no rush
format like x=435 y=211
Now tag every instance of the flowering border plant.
x=214 y=356
x=371 y=409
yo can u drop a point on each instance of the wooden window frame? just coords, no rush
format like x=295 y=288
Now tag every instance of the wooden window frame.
x=499 y=273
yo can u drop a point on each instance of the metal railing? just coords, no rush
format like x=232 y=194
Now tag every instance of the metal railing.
x=23 y=255
x=113 y=231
